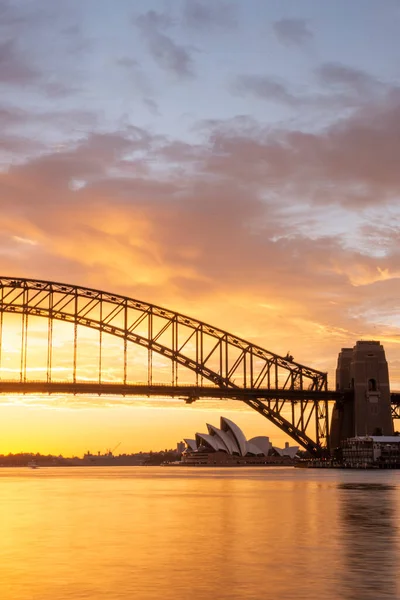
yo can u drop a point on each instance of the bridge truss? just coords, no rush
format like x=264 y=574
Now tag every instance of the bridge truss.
x=205 y=361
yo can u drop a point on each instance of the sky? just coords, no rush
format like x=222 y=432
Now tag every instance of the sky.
x=233 y=161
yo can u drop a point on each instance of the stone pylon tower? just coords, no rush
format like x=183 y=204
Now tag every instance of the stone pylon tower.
x=364 y=370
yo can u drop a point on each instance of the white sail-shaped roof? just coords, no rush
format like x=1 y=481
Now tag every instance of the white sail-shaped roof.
x=254 y=450
x=291 y=451
x=191 y=444
x=230 y=443
x=231 y=439
x=210 y=440
x=278 y=450
x=234 y=430
x=262 y=442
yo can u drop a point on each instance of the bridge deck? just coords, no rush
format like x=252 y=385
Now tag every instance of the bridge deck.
x=188 y=392
x=161 y=390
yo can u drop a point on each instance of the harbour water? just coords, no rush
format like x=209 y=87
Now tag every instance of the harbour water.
x=239 y=534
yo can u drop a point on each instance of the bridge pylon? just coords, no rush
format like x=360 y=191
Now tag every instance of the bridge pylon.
x=362 y=370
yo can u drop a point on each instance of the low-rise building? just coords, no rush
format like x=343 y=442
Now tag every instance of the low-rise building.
x=180 y=447
x=369 y=451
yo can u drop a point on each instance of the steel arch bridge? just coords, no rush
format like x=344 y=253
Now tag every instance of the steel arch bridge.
x=292 y=396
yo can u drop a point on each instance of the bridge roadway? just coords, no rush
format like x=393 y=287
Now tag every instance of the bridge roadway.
x=187 y=392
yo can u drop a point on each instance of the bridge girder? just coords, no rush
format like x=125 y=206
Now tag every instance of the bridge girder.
x=229 y=362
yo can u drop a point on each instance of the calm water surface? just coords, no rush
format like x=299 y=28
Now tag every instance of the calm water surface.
x=175 y=533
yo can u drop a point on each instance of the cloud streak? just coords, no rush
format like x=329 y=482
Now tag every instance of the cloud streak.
x=339 y=75
x=292 y=32
x=175 y=59
x=338 y=87
x=266 y=88
x=15 y=69
x=203 y=15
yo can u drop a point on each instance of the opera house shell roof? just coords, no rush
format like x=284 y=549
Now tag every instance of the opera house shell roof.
x=229 y=438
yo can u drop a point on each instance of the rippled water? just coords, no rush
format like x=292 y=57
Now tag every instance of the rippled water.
x=174 y=533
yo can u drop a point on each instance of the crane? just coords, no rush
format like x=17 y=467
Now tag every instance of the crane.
x=111 y=452
x=117 y=446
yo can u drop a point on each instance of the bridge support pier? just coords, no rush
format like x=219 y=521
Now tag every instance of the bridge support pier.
x=364 y=370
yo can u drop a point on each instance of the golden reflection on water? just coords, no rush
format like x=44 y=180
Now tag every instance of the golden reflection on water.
x=151 y=533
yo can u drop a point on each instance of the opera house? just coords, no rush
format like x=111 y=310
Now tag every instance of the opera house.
x=228 y=446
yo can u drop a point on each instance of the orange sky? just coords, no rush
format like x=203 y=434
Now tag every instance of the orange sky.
x=73 y=431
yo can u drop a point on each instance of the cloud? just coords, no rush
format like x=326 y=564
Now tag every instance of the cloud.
x=152 y=106
x=91 y=158
x=20 y=129
x=15 y=68
x=17 y=145
x=27 y=30
x=59 y=89
x=170 y=56
x=242 y=219
x=339 y=75
x=153 y=20
x=19 y=15
x=137 y=75
x=203 y=15
x=10 y=116
x=352 y=162
x=266 y=88
x=127 y=62
x=292 y=32
x=340 y=87
x=19 y=70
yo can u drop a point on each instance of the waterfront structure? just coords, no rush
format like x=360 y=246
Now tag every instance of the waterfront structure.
x=228 y=445
x=364 y=371
x=369 y=451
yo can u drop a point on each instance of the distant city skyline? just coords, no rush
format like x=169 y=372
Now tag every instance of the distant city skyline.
x=233 y=161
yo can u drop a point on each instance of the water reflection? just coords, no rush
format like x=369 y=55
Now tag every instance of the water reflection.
x=369 y=531
x=229 y=534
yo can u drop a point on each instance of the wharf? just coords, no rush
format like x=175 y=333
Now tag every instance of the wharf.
x=331 y=464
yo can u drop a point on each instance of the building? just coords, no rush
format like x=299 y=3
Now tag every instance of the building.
x=371 y=451
x=180 y=447
x=363 y=371
x=227 y=445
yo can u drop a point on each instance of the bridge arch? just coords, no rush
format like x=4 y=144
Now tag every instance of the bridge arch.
x=228 y=362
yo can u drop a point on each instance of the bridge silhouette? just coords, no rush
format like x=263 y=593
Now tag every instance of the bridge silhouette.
x=205 y=361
